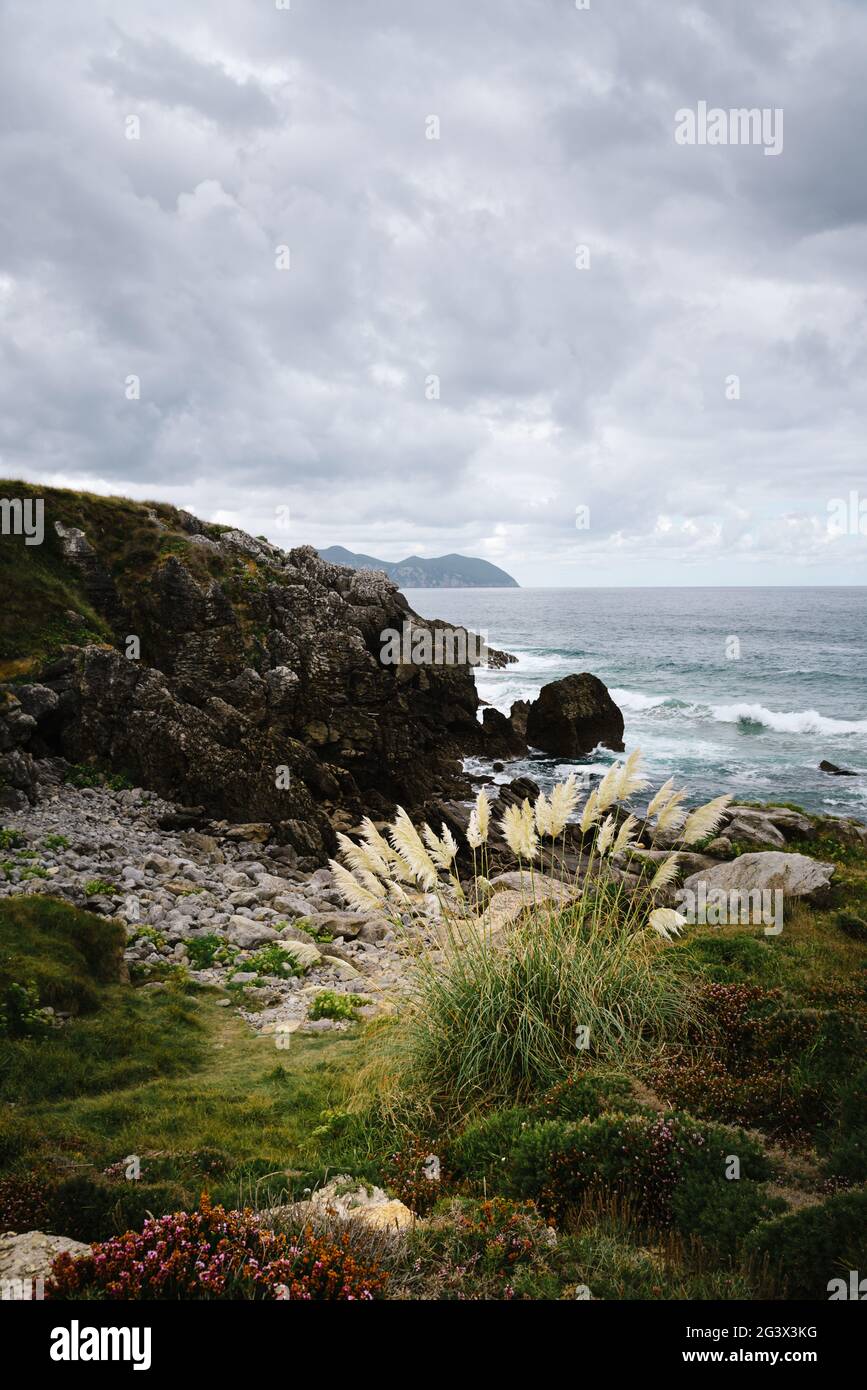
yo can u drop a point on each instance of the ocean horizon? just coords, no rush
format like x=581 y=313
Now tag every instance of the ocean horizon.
x=743 y=689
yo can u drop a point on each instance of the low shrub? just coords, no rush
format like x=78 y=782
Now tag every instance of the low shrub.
x=586 y=1095
x=733 y=959
x=274 y=960
x=807 y=1249
x=416 y=1175
x=329 y=1004
x=482 y=1148
x=845 y=1142
x=671 y=1170
x=213 y=1254
x=492 y=1249
x=760 y=1062
x=852 y=926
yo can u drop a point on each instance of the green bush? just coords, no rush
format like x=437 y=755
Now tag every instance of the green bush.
x=19 y=1011
x=99 y=887
x=485 y=1145
x=585 y=1095
x=329 y=1004
x=845 y=1144
x=274 y=960
x=87 y=775
x=806 y=1249
x=852 y=926
x=733 y=959
x=670 y=1170
x=202 y=950
x=11 y=839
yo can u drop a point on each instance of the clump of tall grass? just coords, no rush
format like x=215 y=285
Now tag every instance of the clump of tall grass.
x=498 y=1014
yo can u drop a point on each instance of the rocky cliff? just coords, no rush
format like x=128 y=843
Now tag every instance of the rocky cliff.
x=216 y=669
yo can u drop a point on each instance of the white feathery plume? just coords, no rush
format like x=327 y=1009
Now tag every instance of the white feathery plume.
x=542 y=813
x=657 y=802
x=519 y=828
x=511 y=828
x=672 y=815
x=442 y=850
x=564 y=798
x=590 y=814
x=606 y=792
x=631 y=777
x=483 y=814
x=606 y=835
x=474 y=834
x=352 y=891
x=666 y=922
x=666 y=873
x=623 y=841
x=705 y=820
x=407 y=842
x=362 y=857
x=377 y=842
x=528 y=821
x=371 y=883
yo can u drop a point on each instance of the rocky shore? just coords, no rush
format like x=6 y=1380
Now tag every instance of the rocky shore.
x=244 y=682
x=231 y=906
x=184 y=896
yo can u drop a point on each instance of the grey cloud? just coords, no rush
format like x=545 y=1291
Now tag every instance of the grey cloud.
x=559 y=386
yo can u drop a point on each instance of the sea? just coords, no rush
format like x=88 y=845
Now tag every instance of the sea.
x=740 y=690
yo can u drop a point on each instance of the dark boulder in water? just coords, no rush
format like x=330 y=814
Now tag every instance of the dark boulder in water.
x=573 y=715
x=834 y=770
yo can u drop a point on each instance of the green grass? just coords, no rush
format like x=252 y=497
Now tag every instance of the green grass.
x=501 y=1020
x=41 y=589
x=163 y=1074
x=64 y=953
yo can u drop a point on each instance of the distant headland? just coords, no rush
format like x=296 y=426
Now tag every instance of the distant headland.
x=441 y=572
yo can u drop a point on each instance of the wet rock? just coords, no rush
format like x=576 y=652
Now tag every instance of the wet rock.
x=574 y=715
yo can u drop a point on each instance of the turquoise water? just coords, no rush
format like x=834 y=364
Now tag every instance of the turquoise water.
x=752 y=717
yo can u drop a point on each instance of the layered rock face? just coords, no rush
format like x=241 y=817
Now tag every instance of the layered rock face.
x=244 y=680
x=573 y=715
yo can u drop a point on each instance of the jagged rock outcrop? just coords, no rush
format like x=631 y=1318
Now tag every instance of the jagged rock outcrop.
x=17 y=772
x=573 y=715
x=238 y=678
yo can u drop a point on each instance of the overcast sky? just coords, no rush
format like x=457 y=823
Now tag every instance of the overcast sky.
x=297 y=402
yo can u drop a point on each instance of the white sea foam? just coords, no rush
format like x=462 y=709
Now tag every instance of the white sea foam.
x=635 y=700
x=807 y=721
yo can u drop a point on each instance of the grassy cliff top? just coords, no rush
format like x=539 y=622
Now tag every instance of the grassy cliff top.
x=45 y=601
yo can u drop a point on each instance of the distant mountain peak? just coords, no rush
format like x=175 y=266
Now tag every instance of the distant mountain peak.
x=416 y=572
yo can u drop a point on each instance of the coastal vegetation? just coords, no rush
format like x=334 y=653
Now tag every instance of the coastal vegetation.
x=592 y=1099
